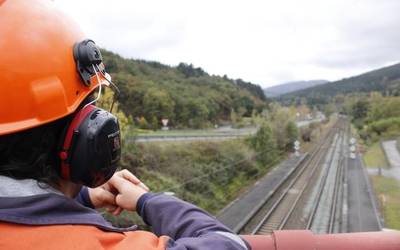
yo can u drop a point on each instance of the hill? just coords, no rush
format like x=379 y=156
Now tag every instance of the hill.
x=186 y=95
x=385 y=80
x=290 y=87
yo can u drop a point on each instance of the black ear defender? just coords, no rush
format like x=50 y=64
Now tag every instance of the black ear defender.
x=91 y=149
x=87 y=54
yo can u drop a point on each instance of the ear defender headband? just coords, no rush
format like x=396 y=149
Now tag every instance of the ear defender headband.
x=91 y=148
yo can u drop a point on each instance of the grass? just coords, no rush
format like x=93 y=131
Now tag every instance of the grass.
x=207 y=174
x=388 y=191
x=374 y=156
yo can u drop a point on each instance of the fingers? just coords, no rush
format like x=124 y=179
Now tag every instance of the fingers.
x=110 y=209
x=132 y=178
x=117 y=211
x=122 y=191
x=129 y=176
x=107 y=198
x=117 y=182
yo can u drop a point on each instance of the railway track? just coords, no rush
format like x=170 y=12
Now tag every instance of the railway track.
x=297 y=203
x=327 y=206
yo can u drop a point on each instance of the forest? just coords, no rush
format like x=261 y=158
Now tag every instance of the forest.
x=185 y=95
x=385 y=80
x=374 y=115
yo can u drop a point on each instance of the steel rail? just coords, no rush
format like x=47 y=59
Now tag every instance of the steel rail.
x=313 y=161
x=313 y=171
x=300 y=165
x=338 y=183
x=293 y=207
x=321 y=187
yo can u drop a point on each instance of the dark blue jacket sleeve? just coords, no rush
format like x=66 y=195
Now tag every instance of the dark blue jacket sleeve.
x=83 y=197
x=188 y=226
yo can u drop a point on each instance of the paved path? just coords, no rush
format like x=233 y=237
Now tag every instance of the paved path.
x=300 y=124
x=244 y=206
x=393 y=157
x=223 y=133
x=189 y=137
x=362 y=211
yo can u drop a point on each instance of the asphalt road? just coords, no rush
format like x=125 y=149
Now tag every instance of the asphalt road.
x=362 y=213
x=222 y=133
x=189 y=138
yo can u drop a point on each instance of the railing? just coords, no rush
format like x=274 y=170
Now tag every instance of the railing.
x=306 y=240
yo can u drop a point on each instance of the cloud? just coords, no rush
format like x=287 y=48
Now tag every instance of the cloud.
x=369 y=40
x=266 y=42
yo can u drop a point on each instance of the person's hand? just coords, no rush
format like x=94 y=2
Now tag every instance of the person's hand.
x=126 y=193
x=102 y=198
x=106 y=195
x=130 y=177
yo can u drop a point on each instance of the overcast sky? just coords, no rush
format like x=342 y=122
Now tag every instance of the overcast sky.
x=265 y=42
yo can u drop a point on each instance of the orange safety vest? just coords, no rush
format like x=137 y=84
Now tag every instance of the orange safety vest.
x=59 y=237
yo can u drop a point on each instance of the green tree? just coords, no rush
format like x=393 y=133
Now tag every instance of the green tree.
x=280 y=118
x=142 y=123
x=264 y=144
x=233 y=117
x=292 y=135
x=360 y=109
x=106 y=101
x=199 y=113
x=157 y=105
x=329 y=109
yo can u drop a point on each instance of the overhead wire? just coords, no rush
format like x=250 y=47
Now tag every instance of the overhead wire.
x=181 y=186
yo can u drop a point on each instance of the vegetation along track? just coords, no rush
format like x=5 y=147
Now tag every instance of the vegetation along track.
x=296 y=203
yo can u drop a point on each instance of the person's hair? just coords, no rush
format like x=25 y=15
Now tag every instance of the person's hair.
x=32 y=154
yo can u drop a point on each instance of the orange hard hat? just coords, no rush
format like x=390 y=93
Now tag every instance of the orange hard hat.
x=39 y=78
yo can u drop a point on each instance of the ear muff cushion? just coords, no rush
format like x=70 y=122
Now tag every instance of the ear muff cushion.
x=96 y=150
x=66 y=146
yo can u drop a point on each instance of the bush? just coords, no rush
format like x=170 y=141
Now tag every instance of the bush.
x=385 y=126
x=264 y=144
x=292 y=134
x=398 y=144
x=208 y=174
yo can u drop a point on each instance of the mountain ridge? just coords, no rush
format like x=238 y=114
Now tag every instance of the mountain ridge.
x=385 y=80
x=288 y=87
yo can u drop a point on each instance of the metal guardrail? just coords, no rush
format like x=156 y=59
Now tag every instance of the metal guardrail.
x=306 y=240
x=219 y=135
x=150 y=138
